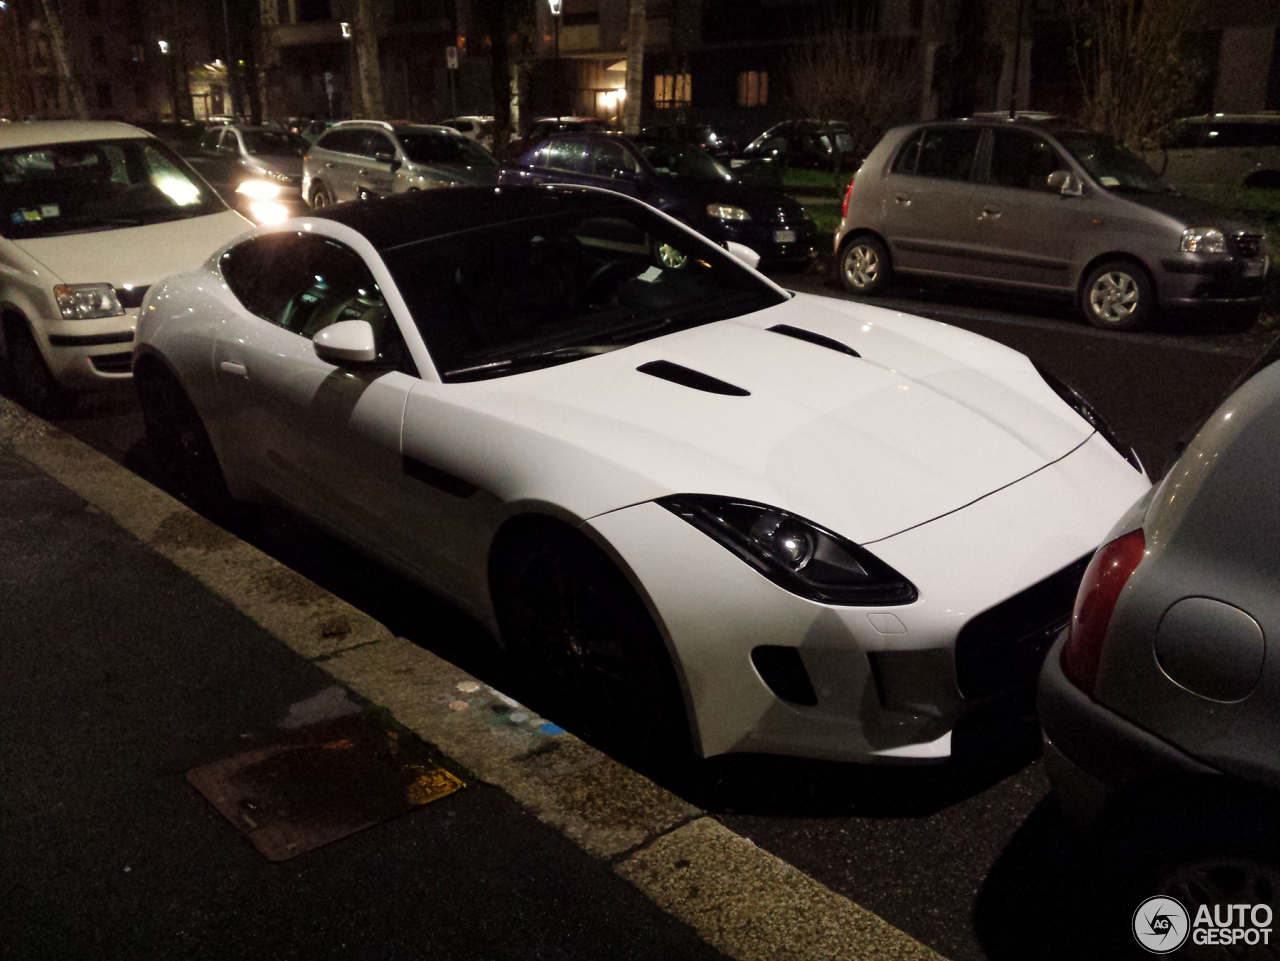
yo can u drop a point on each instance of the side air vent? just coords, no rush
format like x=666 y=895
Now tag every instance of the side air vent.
x=687 y=377
x=799 y=333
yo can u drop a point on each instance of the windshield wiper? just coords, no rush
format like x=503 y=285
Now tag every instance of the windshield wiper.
x=691 y=315
x=530 y=360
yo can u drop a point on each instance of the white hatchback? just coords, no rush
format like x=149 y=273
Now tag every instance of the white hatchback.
x=91 y=214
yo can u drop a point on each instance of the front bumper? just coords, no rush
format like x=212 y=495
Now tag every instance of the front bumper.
x=86 y=355
x=885 y=679
x=1093 y=754
x=1195 y=279
x=762 y=237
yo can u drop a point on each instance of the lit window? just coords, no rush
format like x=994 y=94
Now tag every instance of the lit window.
x=753 y=88
x=672 y=89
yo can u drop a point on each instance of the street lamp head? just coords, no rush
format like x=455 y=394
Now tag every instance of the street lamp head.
x=555 y=7
x=346 y=30
x=164 y=46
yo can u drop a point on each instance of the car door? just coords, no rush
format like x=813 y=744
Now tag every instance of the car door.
x=374 y=173
x=323 y=439
x=343 y=161
x=1025 y=231
x=611 y=166
x=562 y=160
x=928 y=196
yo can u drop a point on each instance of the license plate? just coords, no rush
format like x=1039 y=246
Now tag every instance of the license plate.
x=1254 y=268
x=784 y=236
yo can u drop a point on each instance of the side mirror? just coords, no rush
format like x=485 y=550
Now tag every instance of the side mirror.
x=743 y=253
x=346 y=342
x=1065 y=183
x=386 y=157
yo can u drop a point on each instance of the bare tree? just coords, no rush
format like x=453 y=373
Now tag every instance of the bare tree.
x=843 y=73
x=631 y=107
x=1135 y=66
x=70 y=82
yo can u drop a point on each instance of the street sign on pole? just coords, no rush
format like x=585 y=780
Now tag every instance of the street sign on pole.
x=451 y=57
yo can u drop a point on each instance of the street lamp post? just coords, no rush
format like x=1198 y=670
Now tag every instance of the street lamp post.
x=555 y=6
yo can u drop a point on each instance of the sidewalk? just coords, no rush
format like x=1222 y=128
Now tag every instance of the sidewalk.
x=119 y=672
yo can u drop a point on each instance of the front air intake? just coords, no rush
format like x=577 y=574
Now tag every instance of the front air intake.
x=688 y=377
x=809 y=337
x=783 y=670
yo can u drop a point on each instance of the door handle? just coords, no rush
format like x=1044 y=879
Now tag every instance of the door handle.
x=990 y=213
x=240 y=370
x=330 y=165
x=903 y=199
x=363 y=172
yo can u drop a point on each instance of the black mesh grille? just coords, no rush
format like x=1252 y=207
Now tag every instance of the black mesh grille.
x=1248 y=245
x=113 y=363
x=1003 y=646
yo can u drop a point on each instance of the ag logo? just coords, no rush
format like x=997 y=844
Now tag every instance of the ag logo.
x=1161 y=925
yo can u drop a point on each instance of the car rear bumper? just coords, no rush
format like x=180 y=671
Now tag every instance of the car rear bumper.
x=1093 y=754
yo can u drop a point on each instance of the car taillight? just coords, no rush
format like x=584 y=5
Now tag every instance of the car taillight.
x=1103 y=581
x=844 y=207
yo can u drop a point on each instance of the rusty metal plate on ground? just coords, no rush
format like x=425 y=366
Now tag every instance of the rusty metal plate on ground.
x=322 y=783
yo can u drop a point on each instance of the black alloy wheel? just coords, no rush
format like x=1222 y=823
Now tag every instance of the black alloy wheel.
x=575 y=628
x=180 y=447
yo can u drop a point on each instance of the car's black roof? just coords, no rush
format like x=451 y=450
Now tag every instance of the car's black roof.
x=412 y=217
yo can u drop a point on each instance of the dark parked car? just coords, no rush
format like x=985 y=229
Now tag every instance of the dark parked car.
x=713 y=140
x=820 y=144
x=681 y=180
x=545 y=127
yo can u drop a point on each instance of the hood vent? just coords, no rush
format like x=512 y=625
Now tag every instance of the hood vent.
x=687 y=377
x=799 y=333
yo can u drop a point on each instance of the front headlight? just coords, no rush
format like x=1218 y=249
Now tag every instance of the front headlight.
x=1082 y=407
x=796 y=554
x=259 y=190
x=1203 y=240
x=727 y=212
x=87 y=301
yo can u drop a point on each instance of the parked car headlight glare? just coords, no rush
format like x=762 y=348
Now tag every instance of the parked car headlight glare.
x=796 y=554
x=87 y=301
x=259 y=190
x=1203 y=240
x=727 y=212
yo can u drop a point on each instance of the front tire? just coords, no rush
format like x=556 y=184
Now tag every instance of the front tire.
x=573 y=625
x=1117 y=295
x=32 y=381
x=864 y=266
x=179 y=444
x=321 y=197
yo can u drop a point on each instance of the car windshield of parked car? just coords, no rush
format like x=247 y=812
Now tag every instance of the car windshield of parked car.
x=443 y=148
x=541 y=291
x=71 y=188
x=683 y=162
x=1110 y=164
x=271 y=143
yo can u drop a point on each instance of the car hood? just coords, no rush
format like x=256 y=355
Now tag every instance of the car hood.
x=1189 y=211
x=136 y=256
x=927 y=420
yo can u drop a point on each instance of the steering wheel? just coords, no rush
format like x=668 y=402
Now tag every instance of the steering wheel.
x=605 y=279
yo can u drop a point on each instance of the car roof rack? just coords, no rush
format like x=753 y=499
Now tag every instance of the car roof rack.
x=384 y=124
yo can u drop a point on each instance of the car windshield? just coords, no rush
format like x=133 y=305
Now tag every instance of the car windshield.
x=683 y=161
x=443 y=148
x=71 y=188
x=1110 y=164
x=535 y=292
x=273 y=143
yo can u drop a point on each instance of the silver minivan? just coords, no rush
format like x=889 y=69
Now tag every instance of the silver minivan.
x=1039 y=204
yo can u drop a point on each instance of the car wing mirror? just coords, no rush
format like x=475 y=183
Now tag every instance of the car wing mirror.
x=346 y=342
x=386 y=157
x=743 y=253
x=1065 y=183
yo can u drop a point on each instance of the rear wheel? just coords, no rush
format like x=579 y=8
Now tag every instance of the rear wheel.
x=32 y=381
x=864 y=266
x=1117 y=295
x=181 y=450
x=574 y=627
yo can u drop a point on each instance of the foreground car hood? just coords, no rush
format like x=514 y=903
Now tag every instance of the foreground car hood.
x=927 y=420
x=137 y=256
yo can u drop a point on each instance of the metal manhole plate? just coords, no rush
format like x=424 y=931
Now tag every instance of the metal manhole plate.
x=321 y=783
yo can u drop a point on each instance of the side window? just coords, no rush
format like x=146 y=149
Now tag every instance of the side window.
x=774 y=145
x=376 y=143
x=905 y=162
x=1020 y=159
x=229 y=144
x=245 y=269
x=1181 y=136
x=209 y=141
x=567 y=155
x=343 y=141
x=947 y=152
x=610 y=159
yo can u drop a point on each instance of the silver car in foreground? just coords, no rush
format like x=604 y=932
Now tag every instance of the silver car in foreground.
x=1038 y=204
x=1165 y=692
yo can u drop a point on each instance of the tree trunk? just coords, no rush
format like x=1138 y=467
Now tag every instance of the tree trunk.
x=70 y=83
x=636 y=26
x=366 y=48
x=493 y=17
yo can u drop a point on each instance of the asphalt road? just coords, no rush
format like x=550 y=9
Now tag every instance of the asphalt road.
x=972 y=857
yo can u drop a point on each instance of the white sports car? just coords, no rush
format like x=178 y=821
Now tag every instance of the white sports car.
x=760 y=521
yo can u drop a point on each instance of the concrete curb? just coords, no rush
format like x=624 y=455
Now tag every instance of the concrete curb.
x=742 y=900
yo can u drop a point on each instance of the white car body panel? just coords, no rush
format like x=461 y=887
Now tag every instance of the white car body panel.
x=949 y=453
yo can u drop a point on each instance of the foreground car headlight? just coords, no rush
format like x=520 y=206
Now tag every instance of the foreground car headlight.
x=1203 y=240
x=727 y=212
x=796 y=554
x=87 y=301
x=1082 y=407
x=259 y=190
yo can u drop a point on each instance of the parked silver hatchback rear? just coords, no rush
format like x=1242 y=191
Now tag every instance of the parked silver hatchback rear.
x=1038 y=204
